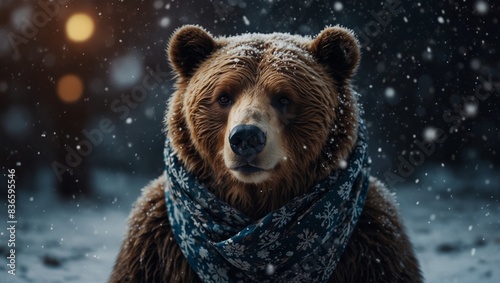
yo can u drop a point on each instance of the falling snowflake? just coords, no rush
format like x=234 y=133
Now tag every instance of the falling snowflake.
x=430 y=134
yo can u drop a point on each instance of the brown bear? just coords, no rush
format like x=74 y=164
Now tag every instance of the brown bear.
x=267 y=176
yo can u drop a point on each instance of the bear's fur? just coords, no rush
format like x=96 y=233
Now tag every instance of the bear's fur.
x=298 y=90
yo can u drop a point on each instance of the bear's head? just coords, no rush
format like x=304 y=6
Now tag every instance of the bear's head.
x=260 y=118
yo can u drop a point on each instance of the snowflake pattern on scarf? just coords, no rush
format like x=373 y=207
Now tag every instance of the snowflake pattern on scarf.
x=303 y=240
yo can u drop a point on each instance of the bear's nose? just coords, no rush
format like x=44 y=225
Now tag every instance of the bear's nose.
x=247 y=141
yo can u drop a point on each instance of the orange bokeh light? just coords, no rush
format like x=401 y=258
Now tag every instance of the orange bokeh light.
x=70 y=88
x=79 y=27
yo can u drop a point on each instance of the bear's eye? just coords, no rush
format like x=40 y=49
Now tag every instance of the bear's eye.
x=224 y=100
x=284 y=101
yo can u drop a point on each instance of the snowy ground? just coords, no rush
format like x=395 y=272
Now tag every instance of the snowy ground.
x=455 y=229
x=454 y=223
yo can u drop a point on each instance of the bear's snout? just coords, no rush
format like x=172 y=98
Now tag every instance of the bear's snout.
x=247 y=141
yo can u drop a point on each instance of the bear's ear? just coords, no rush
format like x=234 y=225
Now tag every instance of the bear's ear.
x=338 y=50
x=189 y=46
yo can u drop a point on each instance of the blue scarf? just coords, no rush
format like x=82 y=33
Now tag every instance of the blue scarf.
x=299 y=242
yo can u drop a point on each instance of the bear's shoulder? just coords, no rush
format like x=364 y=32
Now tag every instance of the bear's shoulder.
x=150 y=252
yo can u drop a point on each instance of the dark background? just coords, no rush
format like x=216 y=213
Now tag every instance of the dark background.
x=426 y=67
